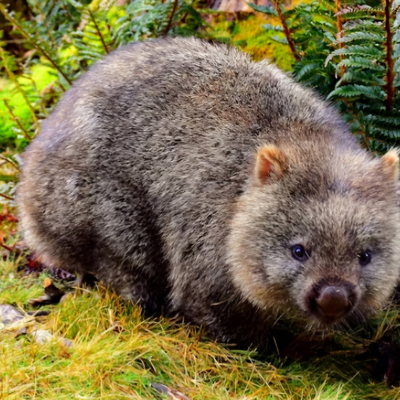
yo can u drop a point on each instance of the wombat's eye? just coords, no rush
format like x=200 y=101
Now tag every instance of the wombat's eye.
x=364 y=257
x=300 y=253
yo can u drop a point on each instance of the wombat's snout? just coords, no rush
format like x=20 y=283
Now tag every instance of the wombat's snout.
x=331 y=301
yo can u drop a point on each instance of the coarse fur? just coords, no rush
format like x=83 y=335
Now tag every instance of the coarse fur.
x=181 y=173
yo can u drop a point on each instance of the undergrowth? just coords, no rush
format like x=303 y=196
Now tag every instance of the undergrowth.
x=349 y=52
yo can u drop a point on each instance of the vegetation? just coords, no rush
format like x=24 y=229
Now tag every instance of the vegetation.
x=349 y=53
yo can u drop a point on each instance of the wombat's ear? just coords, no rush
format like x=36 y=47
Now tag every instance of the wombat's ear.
x=390 y=162
x=271 y=163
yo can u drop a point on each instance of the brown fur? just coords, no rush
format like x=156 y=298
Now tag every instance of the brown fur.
x=183 y=175
x=270 y=161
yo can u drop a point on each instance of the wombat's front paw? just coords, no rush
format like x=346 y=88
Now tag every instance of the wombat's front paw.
x=396 y=299
x=387 y=368
x=85 y=279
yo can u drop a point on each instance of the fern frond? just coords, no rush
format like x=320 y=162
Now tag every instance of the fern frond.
x=396 y=66
x=360 y=12
x=396 y=81
x=396 y=36
x=351 y=9
x=362 y=63
x=269 y=10
x=351 y=76
x=383 y=121
x=396 y=52
x=370 y=52
x=331 y=38
x=352 y=91
x=357 y=15
x=362 y=35
x=386 y=133
x=326 y=26
x=363 y=25
x=307 y=69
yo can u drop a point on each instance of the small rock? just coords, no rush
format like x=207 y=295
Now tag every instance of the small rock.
x=9 y=314
x=42 y=336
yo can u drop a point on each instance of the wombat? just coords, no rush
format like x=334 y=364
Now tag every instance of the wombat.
x=197 y=182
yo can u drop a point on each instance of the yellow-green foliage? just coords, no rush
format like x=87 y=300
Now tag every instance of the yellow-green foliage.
x=249 y=35
x=33 y=84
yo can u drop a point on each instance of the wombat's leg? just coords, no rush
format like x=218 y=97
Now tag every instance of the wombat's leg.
x=130 y=249
x=85 y=279
x=98 y=225
x=396 y=299
x=134 y=284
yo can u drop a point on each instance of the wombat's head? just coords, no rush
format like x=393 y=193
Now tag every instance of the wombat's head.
x=318 y=232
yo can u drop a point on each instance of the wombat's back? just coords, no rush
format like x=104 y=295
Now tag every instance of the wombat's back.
x=168 y=120
x=138 y=175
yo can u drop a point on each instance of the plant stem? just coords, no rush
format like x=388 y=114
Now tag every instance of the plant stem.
x=34 y=44
x=61 y=86
x=10 y=249
x=389 y=87
x=16 y=119
x=339 y=27
x=286 y=30
x=98 y=32
x=10 y=162
x=18 y=86
x=365 y=138
x=169 y=24
x=6 y=197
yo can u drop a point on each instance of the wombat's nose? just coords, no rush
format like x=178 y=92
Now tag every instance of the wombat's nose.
x=333 y=301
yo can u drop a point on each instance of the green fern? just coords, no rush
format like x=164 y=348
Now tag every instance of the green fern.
x=351 y=55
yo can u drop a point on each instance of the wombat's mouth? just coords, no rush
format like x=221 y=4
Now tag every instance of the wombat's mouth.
x=330 y=300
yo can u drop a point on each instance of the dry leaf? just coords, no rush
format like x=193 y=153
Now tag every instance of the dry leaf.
x=52 y=295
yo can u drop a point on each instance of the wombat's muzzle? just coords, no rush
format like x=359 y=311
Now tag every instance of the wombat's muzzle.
x=331 y=299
